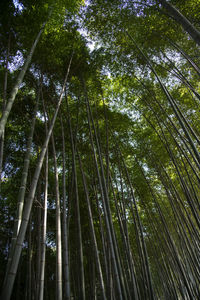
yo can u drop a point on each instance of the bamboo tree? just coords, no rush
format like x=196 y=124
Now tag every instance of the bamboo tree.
x=172 y=246
x=43 y=239
x=143 y=240
x=22 y=190
x=9 y=280
x=30 y=255
x=184 y=238
x=4 y=105
x=181 y=19
x=58 y=229
x=186 y=56
x=82 y=277
x=38 y=239
x=173 y=104
x=106 y=255
x=182 y=78
x=97 y=259
x=105 y=202
x=19 y=80
x=64 y=222
x=44 y=228
x=124 y=233
x=141 y=235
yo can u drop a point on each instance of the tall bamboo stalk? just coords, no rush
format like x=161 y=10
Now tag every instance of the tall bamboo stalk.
x=181 y=19
x=97 y=259
x=82 y=276
x=44 y=229
x=105 y=201
x=58 y=228
x=22 y=189
x=10 y=278
x=4 y=105
x=64 y=222
x=19 y=80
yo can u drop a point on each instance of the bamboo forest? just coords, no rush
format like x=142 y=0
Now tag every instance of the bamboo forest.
x=100 y=149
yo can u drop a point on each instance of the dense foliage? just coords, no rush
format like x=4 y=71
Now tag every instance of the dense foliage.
x=99 y=149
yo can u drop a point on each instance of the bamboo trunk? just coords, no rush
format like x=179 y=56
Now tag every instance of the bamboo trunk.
x=9 y=282
x=58 y=229
x=179 y=18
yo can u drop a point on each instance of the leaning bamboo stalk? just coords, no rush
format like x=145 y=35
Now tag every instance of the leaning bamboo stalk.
x=19 y=80
x=173 y=249
x=22 y=189
x=179 y=225
x=172 y=123
x=9 y=282
x=176 y=72
x=4 y=105
x=184 y=238
x=186 y=56
x=171 y=101
x=181 y=19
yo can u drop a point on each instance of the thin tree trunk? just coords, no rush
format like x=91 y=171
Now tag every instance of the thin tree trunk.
x=105 y=254
x=19 y=80
x=179 y=18
x=22 y=189
x=58 y=229
x=43 y=238
x=65 y=225
x=30 y=254
x=9 y=282
x=110 y=271
x=38 y=240
x=107 y=145
x=173 y=249
x=129 y=257
x=143 y=244
x=3 y=106
x=44 y=229
x=96 y=252
x=105 y=201
x=173 y=104
x=82 y=277
x=18 y=292
x=186 y=56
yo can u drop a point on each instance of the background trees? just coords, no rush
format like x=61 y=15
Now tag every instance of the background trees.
x=113 y=136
